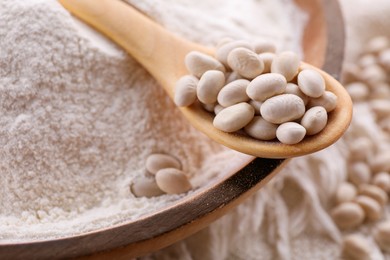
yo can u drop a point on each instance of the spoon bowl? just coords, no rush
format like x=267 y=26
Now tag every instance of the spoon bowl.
x=162 y=53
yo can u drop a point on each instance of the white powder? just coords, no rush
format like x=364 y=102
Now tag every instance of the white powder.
x=78 y=116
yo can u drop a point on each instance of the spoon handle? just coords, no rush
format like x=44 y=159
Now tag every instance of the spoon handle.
x=159 y=51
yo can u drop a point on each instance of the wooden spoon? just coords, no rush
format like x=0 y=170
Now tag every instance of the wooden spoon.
x=162 y=54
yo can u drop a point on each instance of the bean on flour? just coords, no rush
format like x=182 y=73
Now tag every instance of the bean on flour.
x=145 y=187
x=172 y=181
x=257 y=91
x=167 y=177
x=158 y=161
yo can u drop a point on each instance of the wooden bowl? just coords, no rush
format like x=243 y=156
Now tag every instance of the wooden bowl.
x=323 y=45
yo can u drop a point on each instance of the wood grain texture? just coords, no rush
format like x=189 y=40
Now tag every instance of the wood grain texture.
x=192 y=213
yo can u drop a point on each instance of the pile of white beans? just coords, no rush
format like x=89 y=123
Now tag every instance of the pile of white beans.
x=249 y=87
x=164 y=176
x=364 y=196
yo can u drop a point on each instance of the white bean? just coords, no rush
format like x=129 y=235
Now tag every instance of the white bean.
x=198 y=63
x=256 y=105
x=158 y=161
x=382 y=180
x=261 y=46
x=384 y=123
x=314 y=120
x=223 y=41
x=381 y=162
x=234 y=118
x=374 y=192
x=377 y=44
x=348 y=215
x=218 y=108
x=371 y=207
x=145 y=187
x=261 y=129
x=290 y=133
x=209 y=86
x=345 y=192
x=282 y=108
x=359 y=173
x=367 y=60
x=382 y=236
x=358 y=91
x=292 y=88
x=232 y=76
x=373 y=75
x=356 y=247
x=351 y=72
x=286 y=63
x=172 y=181
x=328 y=101
x=311 y=83
x=223 y=51
x=209 y=107
x=384 y=59
x=381 y=108
x=185 y=91
x=266 y=86
x=361 y=148
x=246 y=62
x=267 y=58
x=233 y=93
x=381 y=91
